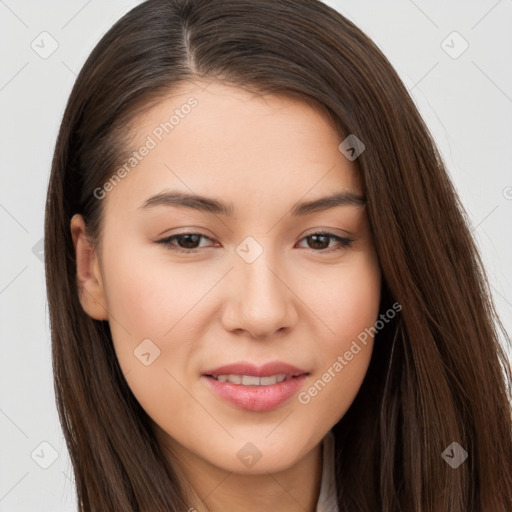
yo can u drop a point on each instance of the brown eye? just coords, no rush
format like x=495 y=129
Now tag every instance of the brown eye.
x=319 y=242
x=186 y=242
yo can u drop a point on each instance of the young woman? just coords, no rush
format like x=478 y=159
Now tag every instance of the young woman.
x=263 y=291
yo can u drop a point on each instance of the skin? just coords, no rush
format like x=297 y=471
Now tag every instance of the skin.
x=298 y=302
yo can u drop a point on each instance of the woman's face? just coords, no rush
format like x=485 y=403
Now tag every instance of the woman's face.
x=256 y=289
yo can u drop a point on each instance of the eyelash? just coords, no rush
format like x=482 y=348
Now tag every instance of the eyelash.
x=343 y=242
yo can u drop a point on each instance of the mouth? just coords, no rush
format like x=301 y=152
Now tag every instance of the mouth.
x=253 y=380
x=254 y=388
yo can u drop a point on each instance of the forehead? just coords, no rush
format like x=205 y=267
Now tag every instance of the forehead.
x=210 y=137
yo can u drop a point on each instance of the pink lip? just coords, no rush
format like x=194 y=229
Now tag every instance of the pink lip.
x=256 y=398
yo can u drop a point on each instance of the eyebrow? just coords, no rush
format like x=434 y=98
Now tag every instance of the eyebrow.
x=214 y=206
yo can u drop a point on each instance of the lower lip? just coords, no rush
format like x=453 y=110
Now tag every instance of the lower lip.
x=256 y=398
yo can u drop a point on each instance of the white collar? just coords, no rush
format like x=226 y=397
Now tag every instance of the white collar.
x=327 y=499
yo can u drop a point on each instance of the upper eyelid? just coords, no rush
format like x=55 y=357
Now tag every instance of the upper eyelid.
x=314 y=231
x=317 y=232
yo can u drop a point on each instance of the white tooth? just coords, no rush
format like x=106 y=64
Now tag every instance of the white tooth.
x=235 y=379
x=268 y=381
x=249 y=380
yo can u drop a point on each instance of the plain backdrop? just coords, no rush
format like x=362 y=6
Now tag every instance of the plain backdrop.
x=461 y=83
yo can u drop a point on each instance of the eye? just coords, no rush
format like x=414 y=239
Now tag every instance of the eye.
x=319 y=242
x=187 y=242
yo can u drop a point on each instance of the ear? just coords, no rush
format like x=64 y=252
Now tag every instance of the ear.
x=88 y=274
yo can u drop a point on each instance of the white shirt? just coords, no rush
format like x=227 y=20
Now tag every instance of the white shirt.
x=327 y=499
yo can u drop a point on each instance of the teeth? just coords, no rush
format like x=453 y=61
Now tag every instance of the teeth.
x=248 y=380
x=251 y=380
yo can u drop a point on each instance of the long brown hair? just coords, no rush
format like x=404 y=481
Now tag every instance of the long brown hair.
x=438 y=373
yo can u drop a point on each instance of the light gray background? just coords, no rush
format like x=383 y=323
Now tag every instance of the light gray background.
x=466 y=101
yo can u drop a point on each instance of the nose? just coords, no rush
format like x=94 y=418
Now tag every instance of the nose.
x=259 y=301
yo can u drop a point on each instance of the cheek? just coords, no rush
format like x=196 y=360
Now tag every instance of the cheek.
x=346 y=299
x=152 y=325
x=349 y=306
x=140 y=300
x=149 y=296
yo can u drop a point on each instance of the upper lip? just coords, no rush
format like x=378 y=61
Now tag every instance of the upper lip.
x=266 y=370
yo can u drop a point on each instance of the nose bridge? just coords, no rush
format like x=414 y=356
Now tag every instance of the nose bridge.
x=260 y=281
x=260 y=303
